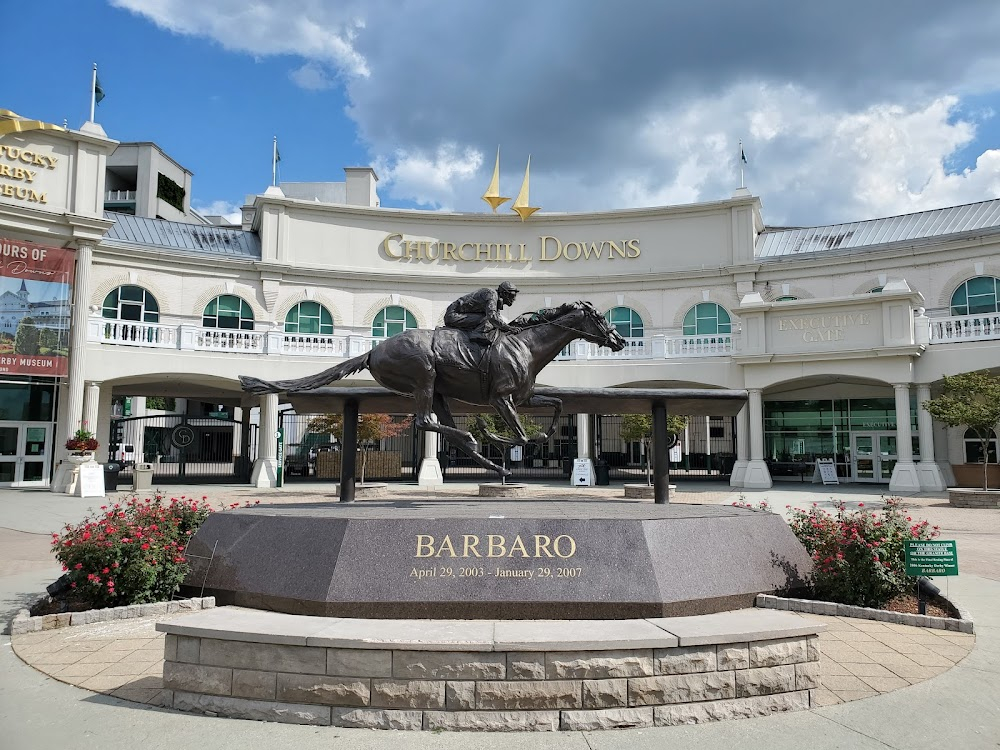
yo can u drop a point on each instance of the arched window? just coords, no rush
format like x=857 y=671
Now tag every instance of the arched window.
x=228 y=311
x=309 y=317
x=626 y=321
x=978 y=295
x=392 y=320
x=974 y=447
x=131 y=303
x=707 y=319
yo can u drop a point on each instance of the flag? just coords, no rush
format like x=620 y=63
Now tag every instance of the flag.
x=277 y=154
x=743 y=156
x=98 y=91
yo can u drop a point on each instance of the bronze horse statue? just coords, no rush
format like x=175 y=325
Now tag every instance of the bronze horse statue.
x=436 y=365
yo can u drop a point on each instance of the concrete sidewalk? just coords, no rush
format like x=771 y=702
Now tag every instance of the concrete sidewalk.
x=960 y=707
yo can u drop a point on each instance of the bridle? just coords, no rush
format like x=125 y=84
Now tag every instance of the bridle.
x=583 y=334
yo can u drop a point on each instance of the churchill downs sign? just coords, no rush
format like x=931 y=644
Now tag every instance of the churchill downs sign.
x=397 y=247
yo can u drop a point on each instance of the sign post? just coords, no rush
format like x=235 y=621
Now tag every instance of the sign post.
x=280 y=434
x=931 y=557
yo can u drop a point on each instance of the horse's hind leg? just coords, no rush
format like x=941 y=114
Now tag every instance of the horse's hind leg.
x=462 y=440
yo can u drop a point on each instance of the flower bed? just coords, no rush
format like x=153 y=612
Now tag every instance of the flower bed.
x=133 y=552
x=858 y=554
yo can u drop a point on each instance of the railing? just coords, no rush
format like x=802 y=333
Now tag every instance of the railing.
x=965 y=328
x=656 y=347
x=120 y=196
x=197 y=338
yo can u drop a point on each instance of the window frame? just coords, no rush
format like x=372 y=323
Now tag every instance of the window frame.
x=245 y=323
x=634 y=330
x=149 y=308
x=408 y=321
x=323 y=318
x=701 y=306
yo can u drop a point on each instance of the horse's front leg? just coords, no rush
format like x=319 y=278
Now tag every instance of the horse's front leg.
x=556 y=405
x=508 y=413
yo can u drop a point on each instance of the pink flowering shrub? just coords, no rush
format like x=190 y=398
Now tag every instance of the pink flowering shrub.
x=133 y=552
x=858 y=555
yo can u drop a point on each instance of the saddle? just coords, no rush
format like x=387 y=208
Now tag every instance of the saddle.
x=453 y=347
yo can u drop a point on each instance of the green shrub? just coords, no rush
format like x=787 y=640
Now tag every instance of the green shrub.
x=133 y=552
x=858 y=555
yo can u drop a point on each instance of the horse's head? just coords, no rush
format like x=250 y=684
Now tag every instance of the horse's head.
x=597 y=330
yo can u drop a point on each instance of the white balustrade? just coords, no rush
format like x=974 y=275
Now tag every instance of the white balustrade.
x=965 y=328
x=190 y=337
x=120 y=196
x=313 y=345
x=130 y=333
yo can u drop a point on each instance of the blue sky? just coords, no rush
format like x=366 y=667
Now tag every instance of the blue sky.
x=846 y=112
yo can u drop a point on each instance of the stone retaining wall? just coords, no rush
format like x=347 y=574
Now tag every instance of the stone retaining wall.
x=961 y=498
x=411 y=688
x=23 y=622
x=810 y=606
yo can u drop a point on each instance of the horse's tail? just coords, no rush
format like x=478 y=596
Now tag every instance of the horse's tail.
x=260 y=387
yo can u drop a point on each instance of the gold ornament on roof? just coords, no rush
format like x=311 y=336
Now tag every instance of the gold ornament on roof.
x=520 y=205
x=11 y=122
x=492 y=194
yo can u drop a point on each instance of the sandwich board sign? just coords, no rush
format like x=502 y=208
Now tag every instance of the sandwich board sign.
x=826 y=471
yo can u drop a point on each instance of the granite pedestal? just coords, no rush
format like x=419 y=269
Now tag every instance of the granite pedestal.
x=475 y=559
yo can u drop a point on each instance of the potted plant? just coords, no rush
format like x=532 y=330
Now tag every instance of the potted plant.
x=82 y=446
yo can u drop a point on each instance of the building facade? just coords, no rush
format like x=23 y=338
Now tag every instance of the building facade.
x=834 y=331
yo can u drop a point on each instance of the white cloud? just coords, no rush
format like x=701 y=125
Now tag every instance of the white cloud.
x=229 y=211
x=312 y=77
x=310 y=29
x=430 y=179
x=637 y=103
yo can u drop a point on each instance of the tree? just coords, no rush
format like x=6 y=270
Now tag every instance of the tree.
x=639 y=428
x=970 y=400
x=26 y=340
x=372 y=428
x=495 y=424
x=48 y=339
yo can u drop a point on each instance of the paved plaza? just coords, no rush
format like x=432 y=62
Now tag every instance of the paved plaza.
x=884 y=685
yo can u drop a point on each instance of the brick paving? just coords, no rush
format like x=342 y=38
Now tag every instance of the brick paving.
x=860 y=658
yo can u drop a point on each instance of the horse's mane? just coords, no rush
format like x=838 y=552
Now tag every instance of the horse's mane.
x=548 y=314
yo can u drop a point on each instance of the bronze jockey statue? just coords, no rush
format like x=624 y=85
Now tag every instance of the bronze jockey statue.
x=479 y=313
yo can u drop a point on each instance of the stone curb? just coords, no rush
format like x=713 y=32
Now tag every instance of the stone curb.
x=810 y=606
x=24 y=623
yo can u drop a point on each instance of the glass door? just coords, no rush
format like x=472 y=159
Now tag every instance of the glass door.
x=887 y=455
x=24 y=453
x=863 y=457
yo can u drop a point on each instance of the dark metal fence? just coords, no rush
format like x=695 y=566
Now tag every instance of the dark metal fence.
x=707 y=450
x=184 y=449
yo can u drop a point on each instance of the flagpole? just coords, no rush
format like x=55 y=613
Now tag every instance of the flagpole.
x=93 y=93
x=742 y=163
x=274 y=163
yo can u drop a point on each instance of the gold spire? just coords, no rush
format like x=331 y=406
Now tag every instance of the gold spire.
x=11 y=122
x=492 y=194
x=520 y=204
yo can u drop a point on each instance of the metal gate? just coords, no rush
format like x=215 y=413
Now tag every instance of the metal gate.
x=312 y=455
x=315 y=455
x=707 y=449
x=184 y=449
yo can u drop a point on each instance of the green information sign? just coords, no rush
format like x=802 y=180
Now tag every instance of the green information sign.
x=280 y=434
x=931 y=558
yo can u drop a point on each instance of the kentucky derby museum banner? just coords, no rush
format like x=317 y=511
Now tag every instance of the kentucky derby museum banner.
x=36 y=285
